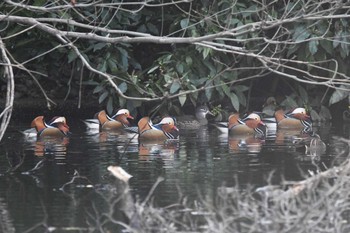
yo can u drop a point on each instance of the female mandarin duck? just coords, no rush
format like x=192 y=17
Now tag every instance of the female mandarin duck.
x=252 y=124
x=103 y=121
x=194 y=122
x=57 y=127
x=165 y=129
x=269 y=107
x=294 y=119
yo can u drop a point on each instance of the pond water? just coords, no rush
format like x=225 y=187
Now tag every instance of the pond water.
x=38 y=190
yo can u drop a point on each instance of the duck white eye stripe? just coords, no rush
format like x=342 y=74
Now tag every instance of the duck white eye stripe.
x=109 y=118
x=241 y=122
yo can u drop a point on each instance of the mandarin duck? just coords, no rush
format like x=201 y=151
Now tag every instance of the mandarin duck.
x=269 y=107
x=164 y=130
x=194 y=122
x=115 y=122
x=57 y=127
x=294 y=119
x=251 y=124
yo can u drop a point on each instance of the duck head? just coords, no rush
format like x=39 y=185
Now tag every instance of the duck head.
x=122 y=116
x=299 y=113
x=202 y=112
x=254 y=121
x=60 y=123
x=168 y=124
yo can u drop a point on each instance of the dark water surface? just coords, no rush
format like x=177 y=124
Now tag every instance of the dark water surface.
x=37 y=185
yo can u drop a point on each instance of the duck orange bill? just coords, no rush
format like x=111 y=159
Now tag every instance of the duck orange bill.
x=130 y=117
x=262 y=123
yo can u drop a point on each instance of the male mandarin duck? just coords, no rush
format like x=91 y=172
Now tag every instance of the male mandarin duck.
x=103 y=121
x=57 y=127
x=251 y=124
x=194 y=122
x=294 y=119
x=165 y=129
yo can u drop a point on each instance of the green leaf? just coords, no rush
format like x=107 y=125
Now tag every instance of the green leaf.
x=345 y=45
x=206 y=52
x=313 y=46
x=99 y=46
x=235 y=101
x=301 y=33
x=103 y=66
x=226 y=89
x=336 y=40
x=180 y=68
x=103 y=97
x=72 y=55
x=182 y=99
x=152 y=69
x=175 y=86
x=112 y=64
x=110 y=105
x=241 y=97
x=124 y=57
x=184 y=23
x=188 y=60
x=209 y=93
x=198 y=82
x=338 y=95
x=98 y=89
x=123 y=87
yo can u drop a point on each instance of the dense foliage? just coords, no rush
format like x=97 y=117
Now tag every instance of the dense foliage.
x=275 y=39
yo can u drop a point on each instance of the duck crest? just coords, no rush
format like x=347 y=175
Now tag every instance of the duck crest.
x=234 y=120
x=144 y=124
x=102 y=117
x=38 y=123
x=279 y=115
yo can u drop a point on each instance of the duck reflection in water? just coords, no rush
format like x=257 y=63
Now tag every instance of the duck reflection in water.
x=51 y=146
x=167 y=149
